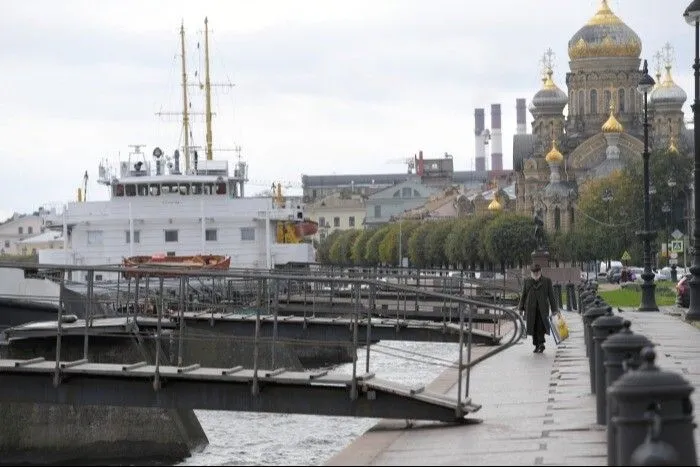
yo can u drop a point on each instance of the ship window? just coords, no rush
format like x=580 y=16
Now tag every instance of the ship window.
x=221 y=188
x=248 y=234
x=119 y=190
x=98 y=277
x=130 y=189
x=137 y=236
x=143 y=189
x=155 y=189
x=94 y=237
x=169 y=188
x=210 y=235
x=171 y=235
x=196 y=188
x=184 y=189
x=170 y=253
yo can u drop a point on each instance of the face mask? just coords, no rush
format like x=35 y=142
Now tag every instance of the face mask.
x=535 y=275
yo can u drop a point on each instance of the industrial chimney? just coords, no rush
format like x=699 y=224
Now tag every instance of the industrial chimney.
x=496 y=138
x=521 y=119
x=479 y=148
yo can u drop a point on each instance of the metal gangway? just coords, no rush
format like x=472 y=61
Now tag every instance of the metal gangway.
x=185 y=384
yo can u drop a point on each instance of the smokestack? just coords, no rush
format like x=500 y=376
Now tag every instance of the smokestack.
x=496 y=138
x=479 y=148
x=521 y=119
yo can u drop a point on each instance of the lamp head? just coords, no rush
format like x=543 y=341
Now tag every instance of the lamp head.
x=692 y=13
x=646 y=82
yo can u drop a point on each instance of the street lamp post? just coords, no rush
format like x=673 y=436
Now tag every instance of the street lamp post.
x=692 y=16
x=646 y=83
x=607 y=197
x=666 y=209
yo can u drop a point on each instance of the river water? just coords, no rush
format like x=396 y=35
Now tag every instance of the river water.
x=247 y=438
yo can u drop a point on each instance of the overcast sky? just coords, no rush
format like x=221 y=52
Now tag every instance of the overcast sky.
x=321 y=87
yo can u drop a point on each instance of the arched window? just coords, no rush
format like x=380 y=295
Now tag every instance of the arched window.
x=557 y=219
x=581 y=102
x=633 y=100
x=606 y=99
x=621 y=100
x=593 y=108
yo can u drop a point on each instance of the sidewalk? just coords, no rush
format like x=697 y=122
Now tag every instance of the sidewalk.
x=537 y=409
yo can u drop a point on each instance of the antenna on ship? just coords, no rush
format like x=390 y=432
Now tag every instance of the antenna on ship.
x=185 y=115
x=207 y=91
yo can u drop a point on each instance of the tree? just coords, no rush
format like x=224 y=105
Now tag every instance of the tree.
x=340 y=252
x=359 y=246
x=324 y=248
x=509 y=238
x=434 y=242
x=416 y=245
x=372 y=247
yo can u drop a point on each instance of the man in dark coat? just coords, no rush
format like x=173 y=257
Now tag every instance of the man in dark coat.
x=536 y=300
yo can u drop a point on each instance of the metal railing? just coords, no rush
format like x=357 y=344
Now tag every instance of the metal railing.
x=167 y=295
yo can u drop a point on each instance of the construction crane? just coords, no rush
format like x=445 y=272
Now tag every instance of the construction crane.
x=409 y=161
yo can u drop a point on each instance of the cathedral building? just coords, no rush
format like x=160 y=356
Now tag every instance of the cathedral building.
x=602 y=129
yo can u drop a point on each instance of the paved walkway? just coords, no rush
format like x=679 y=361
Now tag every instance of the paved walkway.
x=537 y=408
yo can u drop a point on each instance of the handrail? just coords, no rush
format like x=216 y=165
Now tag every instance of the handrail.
x=465 y=304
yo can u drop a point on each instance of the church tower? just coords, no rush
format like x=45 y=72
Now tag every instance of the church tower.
x=604 y=60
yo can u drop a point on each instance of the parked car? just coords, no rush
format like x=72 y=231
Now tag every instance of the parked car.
x=613 y=274
x=683 y=291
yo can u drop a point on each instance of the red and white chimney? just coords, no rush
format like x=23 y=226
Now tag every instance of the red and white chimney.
x=479 y=140
x=496 y=138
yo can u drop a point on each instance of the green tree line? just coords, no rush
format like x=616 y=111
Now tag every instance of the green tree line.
x=605 y=226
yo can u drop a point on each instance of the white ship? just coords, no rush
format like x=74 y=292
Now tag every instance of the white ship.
x=181 y=204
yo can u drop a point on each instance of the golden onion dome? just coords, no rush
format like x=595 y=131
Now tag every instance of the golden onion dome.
x=672 y=146
x=550 y=95
x=605 y=35
x=554 y=156
x=612 y=125
x=495 y=205
x=668 y=92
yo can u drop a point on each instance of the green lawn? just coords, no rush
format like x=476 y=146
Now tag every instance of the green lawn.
x=631 y=295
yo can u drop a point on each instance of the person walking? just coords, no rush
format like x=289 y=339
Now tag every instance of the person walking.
x=536 y=301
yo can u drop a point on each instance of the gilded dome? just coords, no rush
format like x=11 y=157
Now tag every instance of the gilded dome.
x=672 y=148
x=554 y=156
x=605 y=35
x=495 y=205
x=612 y=125
x=668 y=92
x=550 y=95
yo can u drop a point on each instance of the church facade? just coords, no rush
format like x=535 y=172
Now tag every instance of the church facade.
x=602 y=130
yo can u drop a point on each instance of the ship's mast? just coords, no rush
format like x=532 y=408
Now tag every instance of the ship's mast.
x=185 y=115
x=207 y=88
